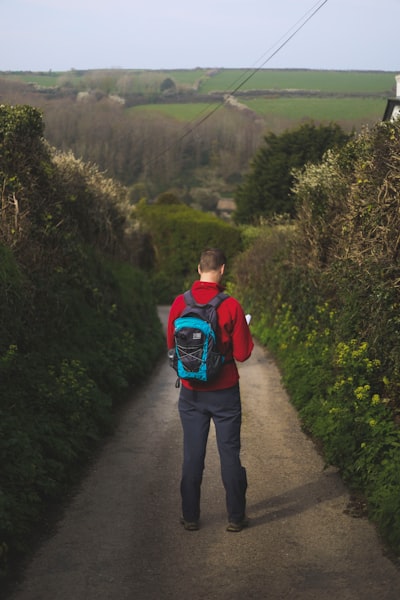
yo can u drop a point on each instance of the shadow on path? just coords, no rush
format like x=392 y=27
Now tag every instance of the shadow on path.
x=295 y=501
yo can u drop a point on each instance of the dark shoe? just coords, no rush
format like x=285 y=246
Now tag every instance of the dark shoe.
x=236 y=527
x=189 y=525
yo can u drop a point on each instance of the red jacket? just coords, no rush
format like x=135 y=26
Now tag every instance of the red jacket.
x=234 y=335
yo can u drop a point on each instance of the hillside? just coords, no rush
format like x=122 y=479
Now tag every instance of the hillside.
x=194 y=131
x=134 y=87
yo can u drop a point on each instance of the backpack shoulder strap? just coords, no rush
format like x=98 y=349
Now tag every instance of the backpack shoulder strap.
x=188 y=297
x=214 y=302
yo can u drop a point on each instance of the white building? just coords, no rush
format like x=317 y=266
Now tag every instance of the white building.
x=392 y=111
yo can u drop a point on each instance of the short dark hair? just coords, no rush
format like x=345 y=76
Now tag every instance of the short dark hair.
x=211 y=259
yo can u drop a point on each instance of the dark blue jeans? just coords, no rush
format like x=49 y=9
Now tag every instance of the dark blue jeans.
x=196 y=410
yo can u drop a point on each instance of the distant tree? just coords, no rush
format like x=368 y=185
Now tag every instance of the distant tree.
x=168 y=198
x=168 y=85
x=266 y=189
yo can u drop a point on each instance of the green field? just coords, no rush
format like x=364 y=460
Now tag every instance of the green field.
x=180 y=112
x=340 y=82
x=346 y=110
x=50 y=79
x=319 y=109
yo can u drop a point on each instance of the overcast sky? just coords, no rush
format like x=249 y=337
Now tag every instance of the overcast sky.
x=40 y=35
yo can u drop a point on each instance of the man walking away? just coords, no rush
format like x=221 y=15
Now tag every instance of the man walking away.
x=218 y=399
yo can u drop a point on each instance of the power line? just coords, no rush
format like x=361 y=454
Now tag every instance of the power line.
x=284 y=43
x=302 y=22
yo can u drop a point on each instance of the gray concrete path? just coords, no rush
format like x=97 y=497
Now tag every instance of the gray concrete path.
x=120 y=538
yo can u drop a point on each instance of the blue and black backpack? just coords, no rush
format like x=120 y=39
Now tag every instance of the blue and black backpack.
x=196 y=356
